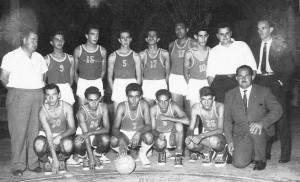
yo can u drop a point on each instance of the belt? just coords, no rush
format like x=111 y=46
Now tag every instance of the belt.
x=266 y=74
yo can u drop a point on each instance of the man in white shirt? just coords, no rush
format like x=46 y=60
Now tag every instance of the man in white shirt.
x=224 y=59
x=22 y=73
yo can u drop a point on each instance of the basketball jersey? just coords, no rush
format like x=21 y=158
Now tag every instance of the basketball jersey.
x=90 y=63
x=132 y=124
x=92 y=123
x=164 y=126
x=154 y=68
x=124 y=67
x=58 y=124
x=209 y=118
x=59 y=70
x=177 y=57
x=197 y=69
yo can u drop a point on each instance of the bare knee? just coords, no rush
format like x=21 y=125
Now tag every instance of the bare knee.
x=67 y=144
x=160 y=145
x=114 y=142
x=148 y=138
x=179 y=128
x=217 y=142
x=40 y=143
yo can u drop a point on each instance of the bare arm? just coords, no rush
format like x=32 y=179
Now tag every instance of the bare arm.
x=194 y=114
x=110 y=69
x=153 y=120
x=146 y=113
x=166 y=57
x=143 y=57
x=71 y=58
x=70 y=119
x=187 y=58
x=117 y=121
x=180 y=116
x=4 y=76
x=138 y=70
x=47 y=61
x=104 y=55
x=76 y=66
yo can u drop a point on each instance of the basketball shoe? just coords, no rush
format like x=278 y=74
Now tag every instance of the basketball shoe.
x=207 y=158
x=178 y=160
x=161 y=158
x=62 y=167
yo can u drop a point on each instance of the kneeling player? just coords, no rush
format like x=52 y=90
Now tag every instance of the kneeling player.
x=93 y=132
x=132 y=125
x=167 y=120
x=55 y=138
x=211 y=139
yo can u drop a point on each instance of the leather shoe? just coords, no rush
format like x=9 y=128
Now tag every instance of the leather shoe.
x=17 y=172
x=36 y=170
x=284 y=160
x=260 y=165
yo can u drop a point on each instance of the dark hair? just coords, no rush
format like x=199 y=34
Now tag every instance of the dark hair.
x=152 y=30
x=58 y=32
x=25 y=34
x=269 y=22
x=201 y=28
x=90 y=27
x=162 y=92
x=244 y=67
x=180 y=21
x=51 y=86
x=134 y=87
x=125 y=31
x=223 y=25
x=206 y=91
x=91 y=90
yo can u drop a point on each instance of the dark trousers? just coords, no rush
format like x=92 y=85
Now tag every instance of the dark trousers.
x=222 y=84
x=282 y=125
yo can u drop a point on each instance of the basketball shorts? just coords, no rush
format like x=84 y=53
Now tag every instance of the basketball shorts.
x=66 y=93
x=129 y=134
x=150 y=87
x=83 y=84
x=92 y=137
x=57 y=147
x=119 y=89
x=193 y=88
x=177 y=84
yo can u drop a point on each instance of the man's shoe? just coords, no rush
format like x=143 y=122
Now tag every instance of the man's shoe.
x=36 y=170
x=47 y=168
x=284 y=160
x=221 y=158
x=85 y=164
x=62 y=167
x=17 y=172
x=102 y=157
x=207 y=158
x=161 y=158
x=193 y=157
x=178 y=160
x=260 y=165
x=99 y=164
x=72 y=162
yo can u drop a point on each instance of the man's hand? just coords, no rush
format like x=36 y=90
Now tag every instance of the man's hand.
x=55 y=166
x=230 y=148
x=197 y=139
x=56 y=140
x=188 y=139
x=82 y=137
x=92 y=164
x=255 y=128
x=122 y=147
x=135 y=139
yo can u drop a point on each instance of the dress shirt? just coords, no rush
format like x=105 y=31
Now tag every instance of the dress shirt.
x=247 y=93
x=268 y=68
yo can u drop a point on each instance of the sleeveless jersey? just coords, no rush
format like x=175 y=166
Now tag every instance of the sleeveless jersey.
x=164 y=126
x=209 y=118
x=90 y=63
x=92 y=123
x=59 y=70
x=124 y=67
x=177 y=57
x=58 y=124
x=132 y=124
x=197 y=69
x=154 y=68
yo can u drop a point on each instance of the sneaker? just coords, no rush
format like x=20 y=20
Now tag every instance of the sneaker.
x=161 y=159
x=207 y=158
x=102 y=157
x=145 y=161
x=99 y=164
x=168 y=153
x=220 y=159
x=85 y=164
x=178 y=160
x=62 y=167
x=193 y=157
x=72 y=162
x=47 y=168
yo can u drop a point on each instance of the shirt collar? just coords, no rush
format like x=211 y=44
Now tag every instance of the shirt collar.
x=268 y=42
x=248 y=89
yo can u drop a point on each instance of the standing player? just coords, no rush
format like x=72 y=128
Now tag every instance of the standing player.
x=132 y=125
x=93 y=132
x=167 y=120
x=211 y=139
x=58 y=126
x=156 y=69
x=177 y=83
x=90 y=63
x=125 y=67
x=60 y=67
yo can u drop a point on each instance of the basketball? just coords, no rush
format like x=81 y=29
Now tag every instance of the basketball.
x=125 y=164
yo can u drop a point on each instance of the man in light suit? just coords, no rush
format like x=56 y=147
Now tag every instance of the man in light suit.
x=250 y=112
x=275 y=68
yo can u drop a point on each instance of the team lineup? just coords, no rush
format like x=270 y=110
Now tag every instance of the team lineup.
x=218 y=105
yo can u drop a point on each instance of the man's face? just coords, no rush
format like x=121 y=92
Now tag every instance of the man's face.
x=31 y=42
x=207 y=101
x=163 y=103
x=93 y=36
x=58 y=41
x=224 y=35
x=244 y=78
x=52 y=96
x=202 y=37
x=181 y=30
x=93 y=101
x=125 y=39
x=134 y=98
x=264 y=30
x=152 y=38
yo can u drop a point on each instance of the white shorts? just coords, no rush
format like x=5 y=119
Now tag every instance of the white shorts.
x=83 y=84
x=177 y=84
x=42 y=133
x=119 y=89
x=79 y=132
x=193 y=89
x=150 y=87
x=129 y=134
x=66 y=93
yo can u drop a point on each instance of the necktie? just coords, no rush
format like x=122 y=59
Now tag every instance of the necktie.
x=263 y=60
x=245 y=101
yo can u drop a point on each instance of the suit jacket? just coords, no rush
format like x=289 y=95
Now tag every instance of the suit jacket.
x=280 y=60
x=262 y=108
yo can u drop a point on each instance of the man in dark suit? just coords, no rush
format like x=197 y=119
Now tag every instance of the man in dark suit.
x=250 y=111
x=275 y=68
